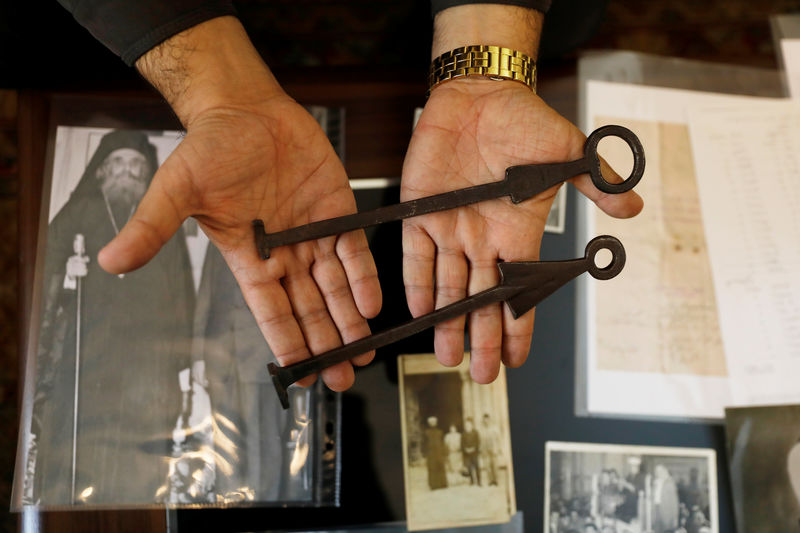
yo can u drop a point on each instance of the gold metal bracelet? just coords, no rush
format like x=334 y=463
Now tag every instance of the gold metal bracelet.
x=494 y=62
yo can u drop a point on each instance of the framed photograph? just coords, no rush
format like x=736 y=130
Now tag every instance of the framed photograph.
x=764 y=462
x=608 y=488
x=151 y=388
x=456 y=446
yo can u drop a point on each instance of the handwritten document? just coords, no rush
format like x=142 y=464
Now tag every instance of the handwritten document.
x=659 y=315
x=653 y=341
x=748 y=168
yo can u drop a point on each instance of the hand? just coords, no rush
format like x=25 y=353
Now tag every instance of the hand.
x=470 y=131
x=251 y=152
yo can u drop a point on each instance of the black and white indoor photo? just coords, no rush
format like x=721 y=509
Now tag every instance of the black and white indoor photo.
x=606 y=488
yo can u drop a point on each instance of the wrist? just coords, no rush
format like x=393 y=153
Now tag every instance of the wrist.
x=212 y=64
x=509 y=26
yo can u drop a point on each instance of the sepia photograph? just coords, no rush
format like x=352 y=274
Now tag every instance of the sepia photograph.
x=150 y=387
x=456 y=446
x=764 y=463
x=607 y=488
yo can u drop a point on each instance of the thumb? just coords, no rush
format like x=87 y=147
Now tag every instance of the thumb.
x=625 y=205
x=158 y=216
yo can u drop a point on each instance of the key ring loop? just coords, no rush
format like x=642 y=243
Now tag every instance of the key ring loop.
x=612 y=244
x=590 y=153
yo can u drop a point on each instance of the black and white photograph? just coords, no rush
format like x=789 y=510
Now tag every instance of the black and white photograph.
x=149 y=387
x=456 y=446
x=764 y=463
x=608 y=488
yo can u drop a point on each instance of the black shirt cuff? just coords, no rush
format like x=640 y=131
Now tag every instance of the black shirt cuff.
x=130 y=28
x=539 y=5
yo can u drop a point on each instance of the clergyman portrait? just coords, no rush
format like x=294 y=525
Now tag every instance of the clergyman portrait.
x=151 y=386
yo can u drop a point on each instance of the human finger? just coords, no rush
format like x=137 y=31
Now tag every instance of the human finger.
x=319 y=329
x=517 y=335
x=624 y=205
x=361 y=273
x=451 y=285
x=270 y=305
x=418 y=266
x=485 y=324
x=335 y=288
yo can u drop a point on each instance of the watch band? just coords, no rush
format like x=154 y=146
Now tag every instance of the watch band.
x=494 y=62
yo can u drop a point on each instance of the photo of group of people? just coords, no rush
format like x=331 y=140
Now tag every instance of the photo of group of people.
x=456 y=446
x=629 y=489
x=462 y=457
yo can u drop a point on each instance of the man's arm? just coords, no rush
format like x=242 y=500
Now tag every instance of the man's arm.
x=511 y=26
x=471 y=130
x=251 y=152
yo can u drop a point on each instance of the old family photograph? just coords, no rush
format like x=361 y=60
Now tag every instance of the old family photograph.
x=456 y=442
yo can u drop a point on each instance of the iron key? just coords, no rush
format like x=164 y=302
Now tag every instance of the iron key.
x=522 y=286
x=521 y=183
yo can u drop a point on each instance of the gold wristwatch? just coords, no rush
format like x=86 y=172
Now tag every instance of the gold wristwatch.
x=493 y=62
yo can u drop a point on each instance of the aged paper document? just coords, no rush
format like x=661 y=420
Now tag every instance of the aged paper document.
x=748 y=162
x=659 y=314
x=649 y=341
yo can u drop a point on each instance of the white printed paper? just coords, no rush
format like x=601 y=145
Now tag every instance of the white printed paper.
x=748 y=165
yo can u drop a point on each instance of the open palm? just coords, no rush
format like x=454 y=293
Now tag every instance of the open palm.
x=265 y=160
x=470 y=131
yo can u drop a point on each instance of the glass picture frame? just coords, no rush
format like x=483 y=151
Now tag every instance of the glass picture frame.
x=150 y=389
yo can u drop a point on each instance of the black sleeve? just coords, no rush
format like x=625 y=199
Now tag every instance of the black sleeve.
x=539 y=5
x=129 y=28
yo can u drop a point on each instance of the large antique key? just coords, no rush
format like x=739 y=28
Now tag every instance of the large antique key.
x=522 y=286
x=521 y=182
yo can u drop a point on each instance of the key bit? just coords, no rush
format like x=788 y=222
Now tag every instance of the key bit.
x=521 y=182
x=522 y=286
